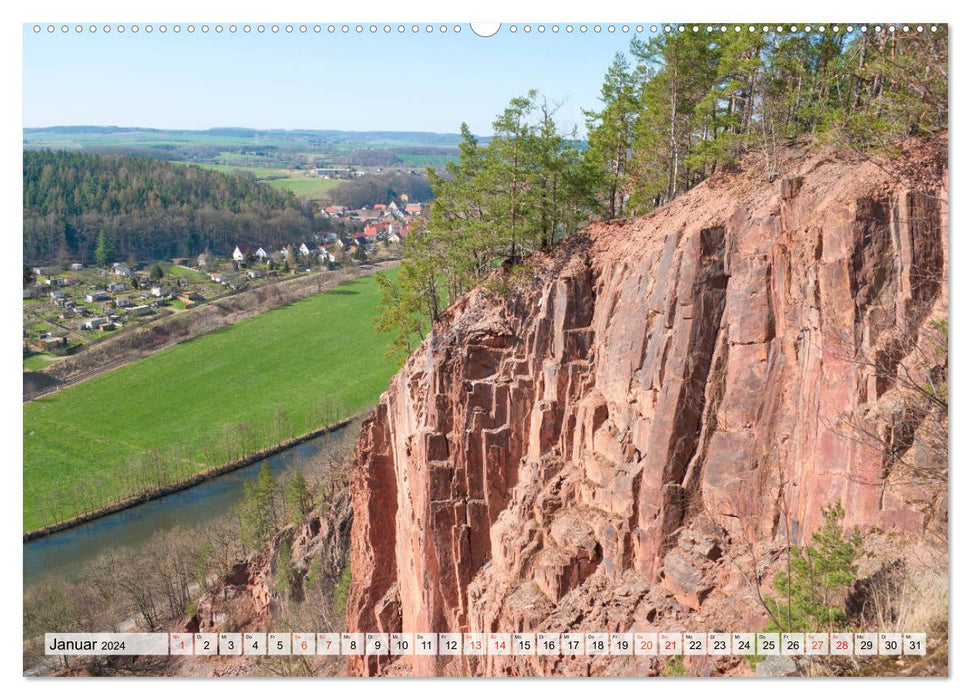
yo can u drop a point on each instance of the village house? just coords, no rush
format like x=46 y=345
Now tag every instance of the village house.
x=254 y=274
x=370 y=232
x=262 y=255
x=305 y=250
x=122 y=302
x=384 y=230
x=121 y=269
x=117 y=287
x=76 y=267
x=57 y=296
x=91 y=297
x=204 y=260
x=142 y=310
x=329 y=173
x=241 y=253
x=98 y=323
x=51 y=342
x=218 y=278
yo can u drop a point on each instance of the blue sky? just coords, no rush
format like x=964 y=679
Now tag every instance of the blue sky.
x=424 y=82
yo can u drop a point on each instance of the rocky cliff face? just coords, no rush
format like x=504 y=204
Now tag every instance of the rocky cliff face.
x=670 y=395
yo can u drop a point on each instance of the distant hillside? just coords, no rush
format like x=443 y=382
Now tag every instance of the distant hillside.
x=276 y=148
x=150 y=209
x=97 y=137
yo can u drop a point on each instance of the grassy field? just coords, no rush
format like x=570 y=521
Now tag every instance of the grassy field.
x=309 y=187
x=260 y=173
x=39 y=361
x=186 y=273
x=203 y=402
x=301 y=184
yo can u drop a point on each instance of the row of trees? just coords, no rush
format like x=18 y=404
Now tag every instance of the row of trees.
x=267 y=505
x=380 y=189
x=527 y=188
x=148 y=209
x=680 y=107
x=687 y=103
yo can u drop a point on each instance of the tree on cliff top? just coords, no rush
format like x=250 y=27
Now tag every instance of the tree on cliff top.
x=495 y=204
x=692 y=103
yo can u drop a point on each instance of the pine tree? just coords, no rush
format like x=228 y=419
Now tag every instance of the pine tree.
x=495 y=204
x=296 y=498
x=284 y=575
x=258 y=510
x=104 y=252
x=611 y=133
x=814 y=586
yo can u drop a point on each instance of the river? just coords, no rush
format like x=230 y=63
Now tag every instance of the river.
x=62 y=553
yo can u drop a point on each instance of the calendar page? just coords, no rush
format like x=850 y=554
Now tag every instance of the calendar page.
x=518 y=349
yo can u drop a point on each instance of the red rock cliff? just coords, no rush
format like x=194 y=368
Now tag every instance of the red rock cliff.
x=535 y=462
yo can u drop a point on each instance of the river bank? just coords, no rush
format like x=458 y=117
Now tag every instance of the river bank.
x=206 y=508
x=184 y=484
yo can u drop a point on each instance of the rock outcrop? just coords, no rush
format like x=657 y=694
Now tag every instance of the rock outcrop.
x=670 y=394
x=244 y=599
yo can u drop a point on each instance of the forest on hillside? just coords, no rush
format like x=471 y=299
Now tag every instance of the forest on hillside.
x=148 y=209
x=674 y=110
x=380 y=188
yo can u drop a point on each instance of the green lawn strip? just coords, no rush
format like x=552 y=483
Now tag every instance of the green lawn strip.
x=322 y=347
x=39 y=361
x=305 y=186
x=191 y=275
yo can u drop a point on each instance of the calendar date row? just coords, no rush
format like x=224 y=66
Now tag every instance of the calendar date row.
x=489 y=644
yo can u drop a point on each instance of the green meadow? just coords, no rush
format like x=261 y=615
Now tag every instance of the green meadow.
x=200 y=403
x=39 y=361
x=301 y=184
